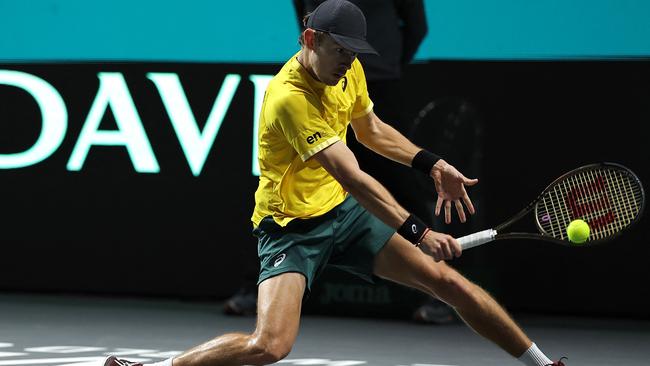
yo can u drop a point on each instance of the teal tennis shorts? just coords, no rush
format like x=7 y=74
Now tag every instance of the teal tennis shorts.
x=347 y=237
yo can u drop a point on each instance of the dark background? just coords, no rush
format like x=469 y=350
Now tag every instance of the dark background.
x=110 y=230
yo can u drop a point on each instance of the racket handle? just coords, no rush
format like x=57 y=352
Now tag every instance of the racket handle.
x=476 y=239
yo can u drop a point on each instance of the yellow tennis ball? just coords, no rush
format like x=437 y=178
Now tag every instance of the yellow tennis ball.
x=578 y=231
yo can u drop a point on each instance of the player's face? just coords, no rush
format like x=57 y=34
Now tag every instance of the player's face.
x=332 y=61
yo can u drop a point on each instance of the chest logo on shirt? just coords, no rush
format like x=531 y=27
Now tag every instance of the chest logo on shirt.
x=345 y=83
x=313 y=138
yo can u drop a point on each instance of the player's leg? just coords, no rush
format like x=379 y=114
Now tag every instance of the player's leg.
x=278 y=318
x=401 y=262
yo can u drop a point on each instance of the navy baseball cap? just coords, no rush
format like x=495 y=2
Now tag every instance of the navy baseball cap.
x=343 y=21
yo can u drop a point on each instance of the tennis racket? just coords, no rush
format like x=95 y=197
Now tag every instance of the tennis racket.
x=608 y=196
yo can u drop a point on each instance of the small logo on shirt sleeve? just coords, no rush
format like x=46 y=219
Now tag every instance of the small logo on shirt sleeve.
x=313 y=138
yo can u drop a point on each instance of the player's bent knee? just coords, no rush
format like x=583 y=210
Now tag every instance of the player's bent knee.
x=271 y=349
x=451 y=287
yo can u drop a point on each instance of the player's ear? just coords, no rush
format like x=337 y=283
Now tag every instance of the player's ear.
x=309 y=35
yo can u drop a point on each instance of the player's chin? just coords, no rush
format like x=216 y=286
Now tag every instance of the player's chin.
x=333 y=81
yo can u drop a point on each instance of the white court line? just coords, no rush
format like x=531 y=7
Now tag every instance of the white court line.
x=12 y=354
x=321 y=362
x=64 y=349
x=56 y=361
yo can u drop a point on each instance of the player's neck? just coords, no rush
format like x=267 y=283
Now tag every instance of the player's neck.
x=303 y=59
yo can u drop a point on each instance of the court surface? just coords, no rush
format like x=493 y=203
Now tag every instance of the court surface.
x=76 y=330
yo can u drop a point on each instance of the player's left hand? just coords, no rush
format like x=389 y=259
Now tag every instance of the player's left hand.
x=440 y=246
x=450 y=185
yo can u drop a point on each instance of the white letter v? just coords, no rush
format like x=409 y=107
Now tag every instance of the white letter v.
x=195 y=144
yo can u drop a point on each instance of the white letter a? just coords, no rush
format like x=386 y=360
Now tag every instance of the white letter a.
x=114 y=92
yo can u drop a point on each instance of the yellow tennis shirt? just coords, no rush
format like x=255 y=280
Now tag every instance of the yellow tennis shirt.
x=301 y=116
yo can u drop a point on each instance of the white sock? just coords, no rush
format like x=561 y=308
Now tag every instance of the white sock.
x=534 y=357
x=167 y=362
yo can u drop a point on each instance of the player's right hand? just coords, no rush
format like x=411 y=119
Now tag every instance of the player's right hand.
x=450 y=185
x=440 y=246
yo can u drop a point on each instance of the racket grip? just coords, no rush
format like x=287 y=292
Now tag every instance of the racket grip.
x=476 y=239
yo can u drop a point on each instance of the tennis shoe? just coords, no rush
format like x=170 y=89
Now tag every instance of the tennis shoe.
x=114 y=361
x=558 y=363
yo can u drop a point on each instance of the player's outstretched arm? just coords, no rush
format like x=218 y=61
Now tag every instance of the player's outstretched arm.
x=340 y=162
x=450 y=184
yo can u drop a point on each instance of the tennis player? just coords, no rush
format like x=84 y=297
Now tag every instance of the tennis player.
x=315 y=207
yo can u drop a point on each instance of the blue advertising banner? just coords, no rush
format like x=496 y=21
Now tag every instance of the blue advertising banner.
x=266 y=31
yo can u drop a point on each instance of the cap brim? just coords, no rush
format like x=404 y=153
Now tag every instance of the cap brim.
x=354 y=44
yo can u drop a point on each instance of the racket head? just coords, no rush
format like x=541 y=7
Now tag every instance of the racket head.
x=608 y=196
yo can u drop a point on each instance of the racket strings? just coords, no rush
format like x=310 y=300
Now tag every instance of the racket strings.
x=600 y=201
x=589 y=190
x=607 y=199
x=626 y=202
x=616 y=211
x=605 y=218
x=625 y=209
x=558 y=215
